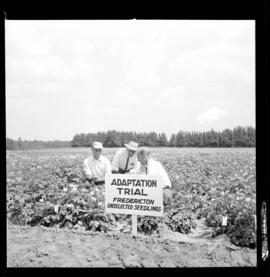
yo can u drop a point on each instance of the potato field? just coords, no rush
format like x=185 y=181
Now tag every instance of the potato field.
x=47 y=188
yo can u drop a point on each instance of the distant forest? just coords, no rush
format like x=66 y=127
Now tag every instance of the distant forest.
x=237 y=137
x=34 y=144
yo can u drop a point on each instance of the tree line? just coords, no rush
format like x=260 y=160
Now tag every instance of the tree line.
x=237 y=137
x=34 y=144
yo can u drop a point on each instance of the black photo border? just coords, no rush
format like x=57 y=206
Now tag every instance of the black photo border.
x=190 y=10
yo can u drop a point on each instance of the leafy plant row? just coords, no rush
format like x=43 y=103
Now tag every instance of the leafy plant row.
x=50 y=190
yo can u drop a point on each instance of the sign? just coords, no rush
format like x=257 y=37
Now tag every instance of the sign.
x=133 y=194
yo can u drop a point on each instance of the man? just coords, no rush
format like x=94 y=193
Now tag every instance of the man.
x=96 y=166
x=125 y=160
x=152 y=167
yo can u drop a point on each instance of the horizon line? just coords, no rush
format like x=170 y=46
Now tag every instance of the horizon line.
x=138 y=132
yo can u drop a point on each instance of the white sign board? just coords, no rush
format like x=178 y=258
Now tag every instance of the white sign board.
x=133 y=194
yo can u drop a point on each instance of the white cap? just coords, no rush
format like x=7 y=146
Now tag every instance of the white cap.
x=97 y=145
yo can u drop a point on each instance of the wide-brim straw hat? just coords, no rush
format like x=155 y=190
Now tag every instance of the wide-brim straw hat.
x=132 y=146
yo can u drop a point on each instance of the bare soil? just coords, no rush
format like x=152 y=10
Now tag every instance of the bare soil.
x=52 y=247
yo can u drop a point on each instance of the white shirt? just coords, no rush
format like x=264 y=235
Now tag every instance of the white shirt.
x=120 y=160
x=155 y=168
x=96 y=168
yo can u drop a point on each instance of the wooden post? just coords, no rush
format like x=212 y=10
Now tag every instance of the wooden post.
x=134 y=224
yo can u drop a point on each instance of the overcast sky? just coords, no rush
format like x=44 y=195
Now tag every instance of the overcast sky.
x=67 y=77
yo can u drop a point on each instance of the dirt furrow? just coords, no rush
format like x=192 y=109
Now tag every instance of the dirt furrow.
x=48 y=247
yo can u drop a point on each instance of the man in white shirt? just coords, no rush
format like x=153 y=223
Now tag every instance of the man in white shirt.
x=152 y=167
x=96 y=166
x=125 y=160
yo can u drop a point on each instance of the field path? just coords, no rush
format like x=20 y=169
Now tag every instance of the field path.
x=51 y=247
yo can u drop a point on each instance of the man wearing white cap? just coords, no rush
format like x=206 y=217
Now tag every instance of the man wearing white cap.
x=96 y=166
x=125 y=160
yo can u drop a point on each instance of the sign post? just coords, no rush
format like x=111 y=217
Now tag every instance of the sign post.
x=133 y=194
x=134 y=224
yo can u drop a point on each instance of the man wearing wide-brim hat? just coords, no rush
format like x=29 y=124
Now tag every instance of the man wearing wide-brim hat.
x=96 y=166
x=125 y=160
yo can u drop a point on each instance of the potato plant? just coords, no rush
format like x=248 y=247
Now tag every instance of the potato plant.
x=48 y=188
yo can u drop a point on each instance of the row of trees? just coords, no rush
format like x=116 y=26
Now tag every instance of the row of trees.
x=117 y=139
x=34 y=144
x=238 y=137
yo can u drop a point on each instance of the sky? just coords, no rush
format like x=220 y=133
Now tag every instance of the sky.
x=83 y=76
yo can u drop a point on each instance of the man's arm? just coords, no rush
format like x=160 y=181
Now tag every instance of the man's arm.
x=115 y=162
x=136 y=168
x=108 y=169
x=88 y=174
x=98 y=181
x=108 y=166
x=167 y=193
x=87 y=170
x=165 y=178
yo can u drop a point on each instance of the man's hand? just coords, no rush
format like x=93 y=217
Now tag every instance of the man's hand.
x=130 y=171
x=167 y=196
x=92 y=180
x=96 y=181
x=99 y=181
